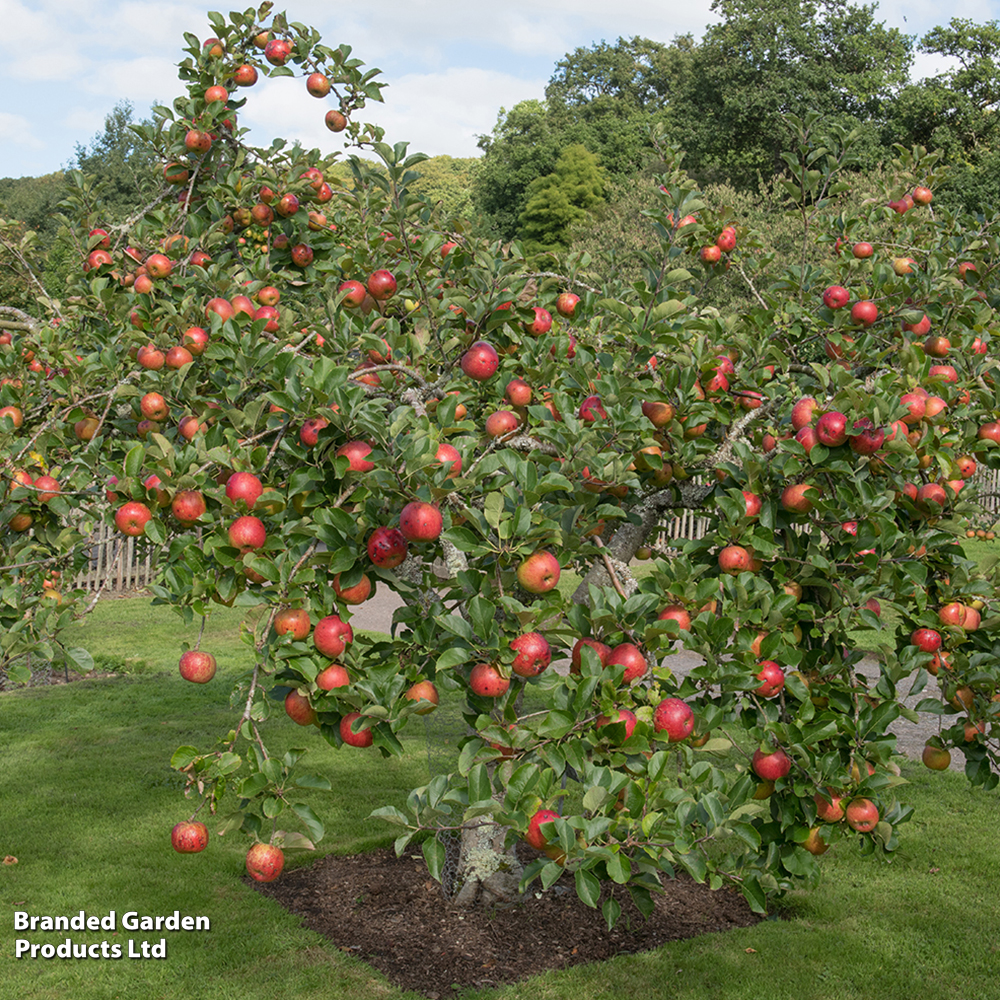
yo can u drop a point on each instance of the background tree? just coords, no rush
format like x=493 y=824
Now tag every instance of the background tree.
x=561 y=200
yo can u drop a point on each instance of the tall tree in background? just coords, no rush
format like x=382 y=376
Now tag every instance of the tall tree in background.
x=768 y=59
x=124 y=165
x=560 y=199
x=955 y=112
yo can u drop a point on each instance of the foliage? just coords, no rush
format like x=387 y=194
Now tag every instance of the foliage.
x=562 y=199
x=447 y=181
x=341 y=402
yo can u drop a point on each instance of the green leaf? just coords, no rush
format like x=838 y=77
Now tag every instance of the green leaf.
x=81 y=658
x=588 y=888
x=133 y=461
x=313 y=781
x=480 y=789
x=311 y=820
x=182 y=757
x=434 y=855
x=612 y=910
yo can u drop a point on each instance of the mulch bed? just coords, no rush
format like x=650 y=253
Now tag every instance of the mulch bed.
x=390 y=913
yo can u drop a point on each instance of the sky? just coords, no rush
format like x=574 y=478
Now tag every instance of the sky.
x=451 y=65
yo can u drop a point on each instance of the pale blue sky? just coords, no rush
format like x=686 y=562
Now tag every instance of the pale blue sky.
x=451 y=65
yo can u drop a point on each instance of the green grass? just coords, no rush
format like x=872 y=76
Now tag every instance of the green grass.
x=87 y=800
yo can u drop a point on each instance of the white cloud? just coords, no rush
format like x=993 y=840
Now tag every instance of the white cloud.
x=18 y=130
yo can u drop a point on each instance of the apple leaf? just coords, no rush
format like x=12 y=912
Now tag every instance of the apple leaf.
x=311 y=820
x=313 y=781
x=612 y=910
x=81 y=658
x=434 y=856
x=588 y=888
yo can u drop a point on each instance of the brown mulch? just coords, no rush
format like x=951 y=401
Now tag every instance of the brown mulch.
x=390 y=913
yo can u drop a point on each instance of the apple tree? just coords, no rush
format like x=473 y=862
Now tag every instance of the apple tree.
x=298 y=390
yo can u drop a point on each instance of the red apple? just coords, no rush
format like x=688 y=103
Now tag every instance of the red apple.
x=501 y=423
x=675 y=718
x=318 y=85
x=331 y=636
x=387 y=547
x=771 y=766
x=734 y=559
x=864 y=313
x=480 y=361
x=381 y=285
x=299 y=709
x=197 y=666
x=244 y=486
x=356 y=452
x=566 y=304
x=542 y=322
x=803 y=412
x=831 y=811
x=831 y=429
x=773 y=678
x=677 y=613
x=836 y=297
x=539 y=573
x=602 y=649
x=187 y=506
x=362 y=738
x=487 y=681
x=357 y=594
x=420 y=522
x=446 y=454
x=131 y=518
x=621 y=715
x=354 y=293
x=592 y=410
x=927 y=640
x=247 y=533
x=264 y=862
x=189 y=837
x=331 y=677
x=533 y=654
x=534 y=835
x=862 y=815
x=277 y=51
x=245 y=75
x=629 y=656
x=422 y=691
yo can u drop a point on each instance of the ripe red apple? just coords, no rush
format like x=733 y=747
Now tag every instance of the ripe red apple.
x=710 y=254
x=931 y=497
x=196 y=141
x=539 y=573
x=592 y=410
x=542 y=322
x=318 y=85
x=771 y=766
x=244 y=486
x=675 y=718
x=131 y=518
x=150 y=358
x=331 y=677
x=357 y=594
x=862 y=815
x=335 y=120
x=221 y=307
x=864 y=313
x=195 y=339
x=189 y=837
x=381 y=285
x=310 y=430
x=356 y=452
x=753 y=504
x=247 y=533
x=302 y=255
x=480 y=361
x=602 y=649
x=420 y=522
x=534 y=835
x=621 y=715
x=518 y=392
x=629 y=656
x=197 y=666
x=422 y=691
x=501 y=423
x=354 y=293
x=387 y=547
x=566 y=304
x=47 y=488
x=831 y=429
x=446 y=454
x=299 y=709
x=292 y=621
x=795 y=497
x=831 y=811
x=245 y=75
x=331 y=636
x=836 y=297
x=659 y=414
x=773 y=678
x=734 y=559
x=927 y=640
x=362 y=738
x=862 y=251
x=726 y=240
x=803 y=412
x=487 y=681
x=187 y=506
x=533 y=654
x=264 y=862
x=277 y=51
x=677 y=613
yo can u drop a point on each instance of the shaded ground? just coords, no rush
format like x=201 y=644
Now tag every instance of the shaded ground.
x=388 y=912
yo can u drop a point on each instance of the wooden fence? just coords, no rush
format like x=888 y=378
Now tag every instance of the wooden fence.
x=119 y=565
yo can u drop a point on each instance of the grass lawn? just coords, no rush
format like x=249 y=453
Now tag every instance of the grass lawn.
x=87 y=801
